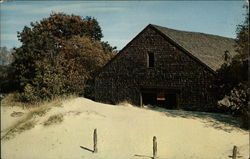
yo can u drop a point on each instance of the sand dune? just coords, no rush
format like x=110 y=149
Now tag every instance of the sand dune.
x=124 y=132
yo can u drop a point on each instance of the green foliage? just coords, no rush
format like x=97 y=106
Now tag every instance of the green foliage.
x=84 y=56
x=6 y=75
x=29 y=94
x=58 y=55
x=89 y=90
x=239 y=103
x=108 y=48
x=232 y=79
x=3 y=78
x=239 y=97
x=60 y=26
x=6 y=79
x=229 y=76
x=242 y=38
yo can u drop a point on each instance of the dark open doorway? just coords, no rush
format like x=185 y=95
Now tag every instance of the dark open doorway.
x=161 y=98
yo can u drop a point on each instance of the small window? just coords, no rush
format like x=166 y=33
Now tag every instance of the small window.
x=151 y=59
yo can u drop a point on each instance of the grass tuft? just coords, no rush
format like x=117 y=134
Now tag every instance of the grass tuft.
x=14 y=99
x=26 y=126
x=34 y=111
x=54 y=119
x=21 y=127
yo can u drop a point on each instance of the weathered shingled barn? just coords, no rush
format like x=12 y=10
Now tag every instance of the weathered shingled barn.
x=164 y=67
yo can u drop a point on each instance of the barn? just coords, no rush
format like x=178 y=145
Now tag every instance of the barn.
x=165 y=67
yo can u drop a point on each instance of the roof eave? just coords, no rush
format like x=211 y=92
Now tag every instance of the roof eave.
x=119 y=53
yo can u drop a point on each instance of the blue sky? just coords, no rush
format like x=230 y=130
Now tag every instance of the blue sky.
x=122 y=20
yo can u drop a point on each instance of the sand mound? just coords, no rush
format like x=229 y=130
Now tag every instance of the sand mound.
x=66 y=131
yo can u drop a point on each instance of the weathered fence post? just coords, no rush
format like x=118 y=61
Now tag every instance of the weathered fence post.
x=234 y=152
x=95 y=141
x=154 y=147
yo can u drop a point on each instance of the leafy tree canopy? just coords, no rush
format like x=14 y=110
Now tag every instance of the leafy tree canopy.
x=60 y=26
x=231 y=74
x=242 y=38
x=232 y=80
x=58 y=54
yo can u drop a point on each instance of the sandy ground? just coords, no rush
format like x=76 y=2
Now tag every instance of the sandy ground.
x=124 y=132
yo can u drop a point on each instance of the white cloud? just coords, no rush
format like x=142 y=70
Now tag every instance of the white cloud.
x=74 y=8
x=57 y=8
x=7 y=6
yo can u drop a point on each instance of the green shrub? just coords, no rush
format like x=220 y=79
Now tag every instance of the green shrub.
x=238 y=99
x=29 y=94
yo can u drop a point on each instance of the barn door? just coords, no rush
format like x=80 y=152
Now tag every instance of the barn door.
x=160 y=98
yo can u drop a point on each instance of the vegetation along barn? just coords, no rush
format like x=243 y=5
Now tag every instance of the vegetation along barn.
x=164 y=67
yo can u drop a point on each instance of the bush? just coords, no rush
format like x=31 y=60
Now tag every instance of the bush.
x=89 y=90
x=58 y=55
x=238 y=99
x=29 y=94
x=7 y=81
x=229 y=76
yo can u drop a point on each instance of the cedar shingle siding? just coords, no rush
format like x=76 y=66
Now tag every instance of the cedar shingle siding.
x=155 y=69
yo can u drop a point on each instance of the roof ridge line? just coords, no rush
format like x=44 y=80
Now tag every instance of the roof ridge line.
x=154 y=25
x=184 y=49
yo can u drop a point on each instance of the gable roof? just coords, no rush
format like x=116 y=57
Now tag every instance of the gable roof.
x=208 y=49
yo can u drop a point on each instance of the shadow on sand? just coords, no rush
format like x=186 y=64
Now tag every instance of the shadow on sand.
x=144 y=156
x=216 y=120
x=85 y=148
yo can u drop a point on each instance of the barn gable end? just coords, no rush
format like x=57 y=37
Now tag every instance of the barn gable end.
x=177 y=79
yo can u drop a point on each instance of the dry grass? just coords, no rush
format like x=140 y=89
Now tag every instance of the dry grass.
x=19 y=128
x=35 y=111
x=26 y=126
x=54 y=119
x=26 y=122
x=14 y=99
x=125 y=103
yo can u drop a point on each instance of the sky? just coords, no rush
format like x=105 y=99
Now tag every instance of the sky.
x=121 y=21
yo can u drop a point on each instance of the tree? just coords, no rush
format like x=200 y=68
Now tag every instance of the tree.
x=242 y=38
x=5 y=70
x=84 y=56
x=232 y=79
x=5 y=56
x=57 y=56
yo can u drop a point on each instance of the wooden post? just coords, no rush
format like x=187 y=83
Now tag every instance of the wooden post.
x=95 y=141
x=234 y=152
x=141 y=102
x=154 y=147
